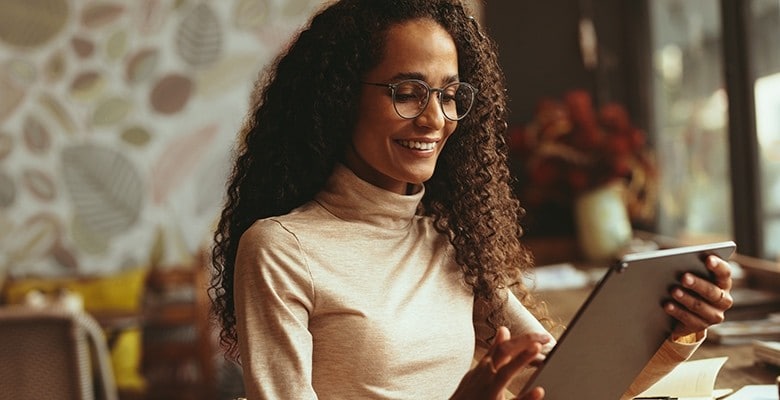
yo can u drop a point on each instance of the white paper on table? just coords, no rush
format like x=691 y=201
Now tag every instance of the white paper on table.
x=691 y=380
x=755 y=392
x=557 y=276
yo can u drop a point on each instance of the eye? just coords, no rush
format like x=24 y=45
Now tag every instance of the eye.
x=406 y=97
x=449 y=93
x=410 y=92
x=447 y=97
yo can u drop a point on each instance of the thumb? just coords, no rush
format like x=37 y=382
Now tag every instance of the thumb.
x=502 y=334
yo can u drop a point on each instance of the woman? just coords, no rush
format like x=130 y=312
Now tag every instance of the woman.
x=357 y=256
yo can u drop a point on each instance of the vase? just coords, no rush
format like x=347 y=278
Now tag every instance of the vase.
x=603 y=225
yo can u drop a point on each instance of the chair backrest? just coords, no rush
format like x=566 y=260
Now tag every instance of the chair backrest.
x=53 y=353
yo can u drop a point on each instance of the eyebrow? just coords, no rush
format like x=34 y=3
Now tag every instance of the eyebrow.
x=416 y=75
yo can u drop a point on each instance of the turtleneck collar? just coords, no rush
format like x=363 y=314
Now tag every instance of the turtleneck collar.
x=352 y=199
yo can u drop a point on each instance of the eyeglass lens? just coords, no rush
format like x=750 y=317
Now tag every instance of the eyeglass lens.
x=411 y=97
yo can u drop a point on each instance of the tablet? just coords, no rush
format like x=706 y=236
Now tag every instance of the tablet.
x=621 y=325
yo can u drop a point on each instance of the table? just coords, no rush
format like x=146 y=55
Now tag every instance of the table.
x=739 y=370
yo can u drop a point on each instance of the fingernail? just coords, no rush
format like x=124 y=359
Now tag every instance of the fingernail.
x=677 y=293
x=687 y=280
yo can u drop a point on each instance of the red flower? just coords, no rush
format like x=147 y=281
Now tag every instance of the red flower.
x=571 y=146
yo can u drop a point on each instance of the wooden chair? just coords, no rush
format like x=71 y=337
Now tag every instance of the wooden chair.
x=179 y=350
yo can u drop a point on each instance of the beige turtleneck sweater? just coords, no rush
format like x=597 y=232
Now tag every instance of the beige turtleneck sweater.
x=354 y=296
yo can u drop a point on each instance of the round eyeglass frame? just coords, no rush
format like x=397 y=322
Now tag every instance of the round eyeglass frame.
x=439 y=91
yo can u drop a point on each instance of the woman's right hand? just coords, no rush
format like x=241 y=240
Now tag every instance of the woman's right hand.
x=505 y=358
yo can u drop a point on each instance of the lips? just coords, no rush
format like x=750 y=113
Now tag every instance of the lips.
x=417 y=145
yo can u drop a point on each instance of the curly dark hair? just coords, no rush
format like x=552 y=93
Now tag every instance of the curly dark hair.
x=303 y=113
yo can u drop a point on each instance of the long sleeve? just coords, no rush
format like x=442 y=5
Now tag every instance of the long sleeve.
x=273 y=299
x=519 y=321
x=668 y=356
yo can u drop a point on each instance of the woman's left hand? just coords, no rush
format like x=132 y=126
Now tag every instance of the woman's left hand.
x=698 y=303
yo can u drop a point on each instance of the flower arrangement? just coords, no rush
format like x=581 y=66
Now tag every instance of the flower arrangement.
x=571 y=147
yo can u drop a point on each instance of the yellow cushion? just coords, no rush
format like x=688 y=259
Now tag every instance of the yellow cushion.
x=126 y=359
x=120 y=293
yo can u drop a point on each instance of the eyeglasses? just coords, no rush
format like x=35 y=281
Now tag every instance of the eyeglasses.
x=411 y=96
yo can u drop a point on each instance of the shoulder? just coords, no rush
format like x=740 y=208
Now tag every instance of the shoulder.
x=271 y=250
x=282 y=227
x=268 y=233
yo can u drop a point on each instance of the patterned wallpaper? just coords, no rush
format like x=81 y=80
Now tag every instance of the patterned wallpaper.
x=116 y=123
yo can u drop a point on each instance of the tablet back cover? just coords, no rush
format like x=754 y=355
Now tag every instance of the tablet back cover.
x=620 y=326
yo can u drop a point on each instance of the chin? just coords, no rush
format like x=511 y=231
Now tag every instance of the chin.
x=419 y=179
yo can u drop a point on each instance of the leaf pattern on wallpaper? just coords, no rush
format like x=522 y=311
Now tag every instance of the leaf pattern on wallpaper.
x=141 y=65
x=227 y=74
x=86 y=240
x=87 y=86
x=7 y=190
x=199 y=36
x=136 y=136
x=58 y=111
x=83 y=47
x=36 y=136
x=6 y=144
x=105 y=187
x=12 y=93
x=22 y=71
x=250 y=15
x=178 y=160
x=100 y=13
x=116 y=45
x=111 y=111
x=150 y=16
x=40 y=184
x=274 y=35
x=295 y=8
x=210 y=191
x=64 y=257
x=30 y=24
x=171 y=93
x=34 y=239
x=55 y=67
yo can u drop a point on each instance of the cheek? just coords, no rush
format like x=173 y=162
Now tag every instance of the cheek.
x=450 y=130
x=371 y=116
x=375 y=106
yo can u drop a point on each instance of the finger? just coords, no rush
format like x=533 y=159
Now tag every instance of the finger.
x=497 y=360
x=502 y=334
x=505 y=351
x=536 y=393
x=719 y=298
x=538 y=361
x=704 y=309
x=688 y=322
x=721 y=270
x=507 y=372
x=486 y=366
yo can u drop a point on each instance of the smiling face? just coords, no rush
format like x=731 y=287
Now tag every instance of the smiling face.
x=391 y=152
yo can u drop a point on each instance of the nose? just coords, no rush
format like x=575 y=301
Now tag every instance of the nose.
x=432 y=116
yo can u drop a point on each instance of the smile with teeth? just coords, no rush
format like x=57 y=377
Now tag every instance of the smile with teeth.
x=415 y=145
